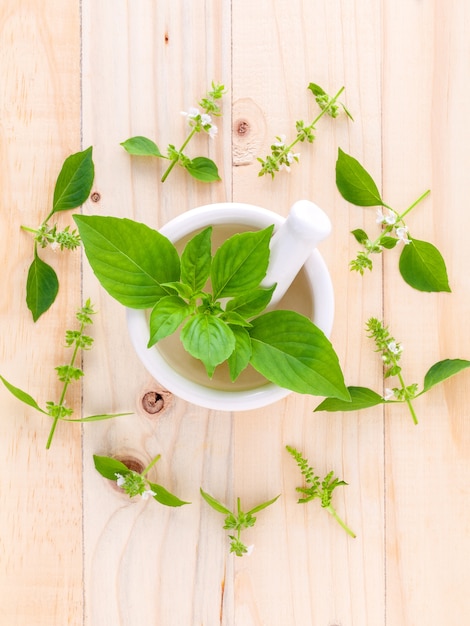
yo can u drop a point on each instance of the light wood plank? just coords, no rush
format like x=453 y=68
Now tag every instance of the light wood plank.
x=304 y=568
x=143 y=64
x=40 y=491
x=425 y=145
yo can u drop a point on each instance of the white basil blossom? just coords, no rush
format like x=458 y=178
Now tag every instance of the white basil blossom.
x=389 y=219
x=191 y=114
x=120 y=480
x=394 y=347
x=249 y=549
x=281 y=143
x=212 y=130
x=147 y=493
x=402 y=234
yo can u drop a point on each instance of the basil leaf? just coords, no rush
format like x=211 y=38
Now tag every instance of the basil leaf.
x=209 y=339
x=203 y=169
x=215 y=504
x=181 y=289
x=74 y=182
x=290 y=351
x=94 y=418
x=109 y=467
x=361 y=398
x=360 y=235
x=389 y=242
x=141 y=146
x=22 y=395
x=354 y=183
x=316 y=90
x=442 y=370
x=166 y=316
x=240 y=357
x=131 y=261
x=196 y=260
x=252 y=302
x=423 y=267
x=234 y=318
x=42 y=286
x=165 y=497
x=241 y=262
x=260 y=507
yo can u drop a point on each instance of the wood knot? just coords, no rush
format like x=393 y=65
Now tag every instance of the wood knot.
x=132 y=463
x=242 y=127
x=153 y=402
x=167 y=38
x=135 y=465
x=95 y=197
x=156 y=401
x=248 y=130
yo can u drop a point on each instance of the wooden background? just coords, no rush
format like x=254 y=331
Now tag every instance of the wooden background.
x=73 y=550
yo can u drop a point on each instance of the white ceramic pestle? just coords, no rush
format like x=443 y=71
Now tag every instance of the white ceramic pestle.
x=291 y=245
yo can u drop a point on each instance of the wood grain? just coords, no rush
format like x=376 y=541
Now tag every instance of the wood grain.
x=40 y=492
x=73 y=548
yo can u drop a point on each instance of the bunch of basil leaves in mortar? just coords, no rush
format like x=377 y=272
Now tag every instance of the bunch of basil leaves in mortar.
x=141 y=269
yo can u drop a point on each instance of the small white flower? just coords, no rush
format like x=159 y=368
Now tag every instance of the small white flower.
x=394 y=347
x=54 y=246
x=120 y=480
x=206 y=119
x=389 y=219
x=291 y=157
x=191 y=114
x=249 y=550
x=389 y=394
x=402 y=235
x=213 y=130
x=147 y=493
x=281 y=143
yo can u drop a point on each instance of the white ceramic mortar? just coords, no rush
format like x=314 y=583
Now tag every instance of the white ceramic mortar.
x=292 y=246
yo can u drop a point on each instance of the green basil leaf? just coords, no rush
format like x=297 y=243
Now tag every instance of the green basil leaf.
x=316 y=90
x=361 y=398
x=289 y=350
x=95 y=418
x=109 y=467
x=241 y=262
x=215 y=504
x=389 y=242
x=22 y=395
x=348 y=113
x=131 y=261
x=74 y=182
x=42 y=286
x=360 y=235
x=260 y=507
x=234 y=318
x=196 y=260
x=209 y=339
x=166 y=316
x=241 y=355
x=141 y=146
x=354 y=183
x=203 y=169
x=181 y=289
x=422 y=267
x=442 y=370
x=165 y=497
x=252 y=302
